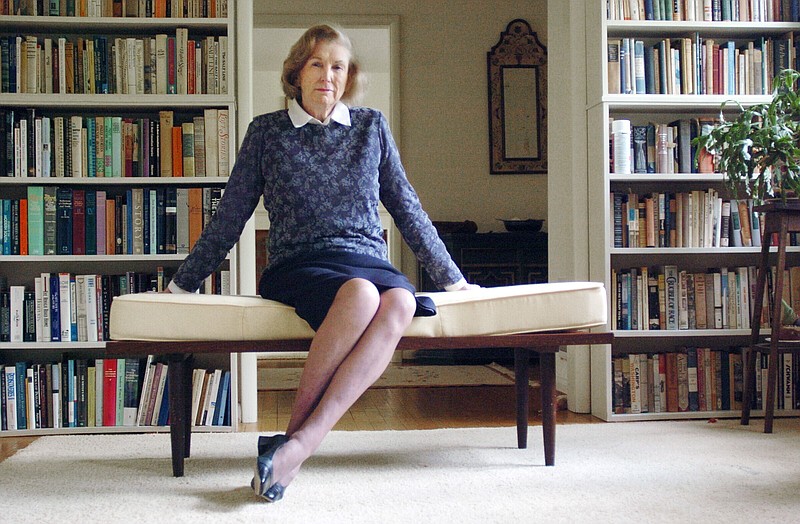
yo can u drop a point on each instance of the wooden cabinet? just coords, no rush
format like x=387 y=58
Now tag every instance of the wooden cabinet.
x=489 y=259
x=496 y=259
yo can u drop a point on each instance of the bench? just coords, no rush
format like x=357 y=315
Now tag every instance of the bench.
x=535 y=318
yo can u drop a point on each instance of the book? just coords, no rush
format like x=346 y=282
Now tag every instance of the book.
x=165 y=129
x=735 y=225
x=156 y=393
x=210 y=401
x=131 y=392
x=17 y=298
x=692 y=380
x=78 y=222
x=116 y=152
x=90 y=223
x=672 y=296
x=195 y=215
x=146 y=391
x=223 y=144
x=182 y=220
x=21 y=375
x=187 y=141
x=198 y=383
x=211 y=128
x=635 y=383
x=10 y=400
x=613 y=55
x=162 y=371
x=223 y=399
x=199 y=146
x=682 y=364
x=110 y=392
x=65 y=307
x=137 y=214
x=177 y=151
x=744 y=223
x=63 y=221
x=35 y=220
x=170 y=220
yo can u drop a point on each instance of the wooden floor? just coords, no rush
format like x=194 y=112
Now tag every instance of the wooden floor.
x=416 y=408
x=395 y=408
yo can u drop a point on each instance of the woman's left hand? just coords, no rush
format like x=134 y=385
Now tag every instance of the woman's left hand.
x=466 y=286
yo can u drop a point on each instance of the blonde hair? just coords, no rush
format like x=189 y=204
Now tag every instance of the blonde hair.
x=302 y=50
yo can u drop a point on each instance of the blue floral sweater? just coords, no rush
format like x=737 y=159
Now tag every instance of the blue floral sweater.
x=321 y=186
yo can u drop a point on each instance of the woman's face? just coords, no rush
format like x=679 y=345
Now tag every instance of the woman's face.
x=323 y=78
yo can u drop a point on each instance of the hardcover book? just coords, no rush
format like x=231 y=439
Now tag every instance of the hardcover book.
x=35 y=220
x=63 y=221
x=78 y=222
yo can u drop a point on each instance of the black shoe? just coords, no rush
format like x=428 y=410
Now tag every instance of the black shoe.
x=274 y=493
x=265 y=442
x=262 y=478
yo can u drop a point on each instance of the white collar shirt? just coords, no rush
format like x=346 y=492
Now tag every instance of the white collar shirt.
x=300 y=117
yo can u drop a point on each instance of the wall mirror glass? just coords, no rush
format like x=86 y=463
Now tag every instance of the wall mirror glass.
x=517 y=73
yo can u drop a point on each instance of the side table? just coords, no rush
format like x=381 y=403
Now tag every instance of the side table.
x=780 y=218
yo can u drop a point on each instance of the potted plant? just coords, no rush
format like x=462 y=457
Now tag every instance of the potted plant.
x=759 y=151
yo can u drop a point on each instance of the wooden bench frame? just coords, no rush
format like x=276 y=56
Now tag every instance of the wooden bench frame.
x=546 y=344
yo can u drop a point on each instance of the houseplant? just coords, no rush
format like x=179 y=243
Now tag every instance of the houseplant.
x=759 y=150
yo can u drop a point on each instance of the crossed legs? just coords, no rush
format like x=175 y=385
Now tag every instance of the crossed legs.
x=350 y=351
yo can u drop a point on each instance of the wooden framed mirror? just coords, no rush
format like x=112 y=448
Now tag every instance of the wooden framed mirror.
x=517 y=73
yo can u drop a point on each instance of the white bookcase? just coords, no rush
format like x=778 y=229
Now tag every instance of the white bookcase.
x=604 y=258
x=20 y=270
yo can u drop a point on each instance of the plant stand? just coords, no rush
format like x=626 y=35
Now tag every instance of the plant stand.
x=780 y=218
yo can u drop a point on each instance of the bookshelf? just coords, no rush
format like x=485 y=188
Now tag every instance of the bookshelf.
x=148 y=86
x=709 y=345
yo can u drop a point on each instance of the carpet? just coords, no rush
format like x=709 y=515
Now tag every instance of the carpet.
x=400 y=376
x=624 y=472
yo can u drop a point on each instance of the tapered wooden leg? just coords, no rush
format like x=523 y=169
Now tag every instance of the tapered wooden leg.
x=179 y=423
x=187 y=404
x=521 y=380
x=777 y=309
x=755 y=328
x=547 y=366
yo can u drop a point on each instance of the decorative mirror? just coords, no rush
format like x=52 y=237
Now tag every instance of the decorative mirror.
x=517 y=69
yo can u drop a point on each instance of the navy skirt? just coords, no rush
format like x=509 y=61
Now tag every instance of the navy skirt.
x=310 y=283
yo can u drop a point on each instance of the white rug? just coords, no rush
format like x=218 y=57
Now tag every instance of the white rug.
x=626 y=472
x=400 y=376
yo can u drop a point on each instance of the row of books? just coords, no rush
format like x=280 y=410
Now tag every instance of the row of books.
x=665 y=148
x=211 y=396
x=103 y=392
x=691 y=219
x=36 y=145
x=66 y=307
x=698 y=379
x=668 y=298
x=106 y=64
x=705 y=10
x=118 y=8
x=697 y=65
x=64 y=220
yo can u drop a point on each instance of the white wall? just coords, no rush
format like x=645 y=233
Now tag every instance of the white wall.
x=568 y=216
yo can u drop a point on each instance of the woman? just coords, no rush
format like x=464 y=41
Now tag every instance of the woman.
x=322 y=169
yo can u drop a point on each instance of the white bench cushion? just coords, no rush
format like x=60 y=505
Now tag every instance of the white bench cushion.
x=485 y=311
